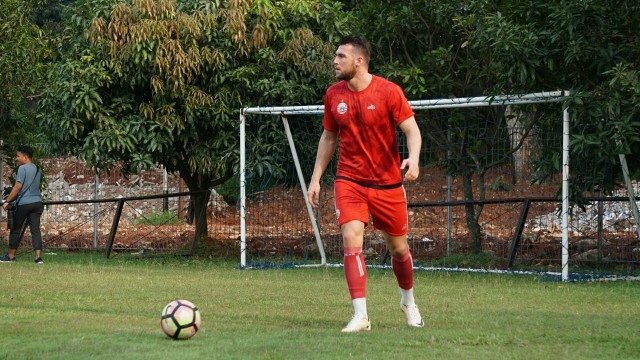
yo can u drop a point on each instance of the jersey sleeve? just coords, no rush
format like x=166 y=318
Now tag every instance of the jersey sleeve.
x=328 y=122
x=399 y=105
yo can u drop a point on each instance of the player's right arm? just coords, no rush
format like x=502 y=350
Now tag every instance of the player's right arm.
x=326 y=149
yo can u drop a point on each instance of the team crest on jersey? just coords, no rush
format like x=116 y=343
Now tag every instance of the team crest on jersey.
x=342 y=107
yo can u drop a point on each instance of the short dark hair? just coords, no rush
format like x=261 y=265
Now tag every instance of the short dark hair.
x=26 y=150
x=360 y=43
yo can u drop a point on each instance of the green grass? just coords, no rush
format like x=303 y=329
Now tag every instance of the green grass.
x=83 y=306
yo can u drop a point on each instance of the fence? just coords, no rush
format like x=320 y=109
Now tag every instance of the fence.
x=520 y=222
x=519 y=215
x=150 y=210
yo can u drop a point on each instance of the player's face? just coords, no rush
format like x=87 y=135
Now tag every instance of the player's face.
x=345 y=62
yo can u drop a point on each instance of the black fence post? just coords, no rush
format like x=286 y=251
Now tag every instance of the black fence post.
x=114 y=228
x=513 y=248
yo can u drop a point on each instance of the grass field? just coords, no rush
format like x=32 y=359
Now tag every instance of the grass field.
x=83 y=306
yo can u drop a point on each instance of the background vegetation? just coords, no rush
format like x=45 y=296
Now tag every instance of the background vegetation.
x=161 y=82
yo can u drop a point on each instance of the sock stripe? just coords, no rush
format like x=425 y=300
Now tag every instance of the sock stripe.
x=352 y=250
x=355 y=272
x=360 y=266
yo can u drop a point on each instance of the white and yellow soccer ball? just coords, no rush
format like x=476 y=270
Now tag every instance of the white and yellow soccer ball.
x=180 y=319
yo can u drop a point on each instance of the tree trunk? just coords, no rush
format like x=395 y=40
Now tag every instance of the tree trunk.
x=201 y=201
x=201 y=183
x=471 y=213
x=516 y=122
x=197 y=183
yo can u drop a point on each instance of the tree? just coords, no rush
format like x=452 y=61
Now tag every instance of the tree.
x=24 y=48
x=161 y=82
x=425 y=46
x=589 y=47
x=457 y=49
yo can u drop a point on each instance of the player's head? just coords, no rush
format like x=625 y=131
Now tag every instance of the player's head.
x=360 y=46
x=353 y=52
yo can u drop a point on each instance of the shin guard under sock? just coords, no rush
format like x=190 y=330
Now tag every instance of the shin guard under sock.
x=403 y=269
x=355 y=272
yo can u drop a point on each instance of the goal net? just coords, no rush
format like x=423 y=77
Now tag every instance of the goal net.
x=479 y=158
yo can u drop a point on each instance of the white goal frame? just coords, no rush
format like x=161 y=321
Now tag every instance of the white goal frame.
x=499 y=100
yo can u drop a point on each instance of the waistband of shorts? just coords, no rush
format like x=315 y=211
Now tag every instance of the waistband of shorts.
x=371 y=186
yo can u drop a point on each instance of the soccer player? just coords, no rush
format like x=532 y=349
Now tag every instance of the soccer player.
x=363 y=110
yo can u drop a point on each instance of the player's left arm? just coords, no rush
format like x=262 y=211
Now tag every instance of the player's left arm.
x=414 y=141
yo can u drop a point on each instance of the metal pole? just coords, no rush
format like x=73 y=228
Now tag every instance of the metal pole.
x=114 y=228
x=565 y=195
x=243 y=200
x=1 y=185
x=632 y=196
x=415 y=104
x=96 y=205
x=600 y=225
x=180 y=199
x=448 y=196
x=165 y=189
x=303 y=186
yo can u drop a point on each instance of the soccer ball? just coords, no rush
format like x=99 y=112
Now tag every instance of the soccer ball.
x=180 y=319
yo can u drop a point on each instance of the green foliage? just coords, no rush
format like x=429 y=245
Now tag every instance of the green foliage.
x=588 y=47
x=151 y=82
x=500 y=184
x=426 y=62
x=229 y=190
x=488 y=47
x=24 y=49
x=160 y=218
x=453 y=49
x=162 y=82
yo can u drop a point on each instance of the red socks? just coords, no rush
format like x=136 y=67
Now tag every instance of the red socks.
x=355 y=272
x=403 y=269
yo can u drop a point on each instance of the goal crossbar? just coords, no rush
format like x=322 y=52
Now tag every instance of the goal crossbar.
x=532 y=98
x=497 y=100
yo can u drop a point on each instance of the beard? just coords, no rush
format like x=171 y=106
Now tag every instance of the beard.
x=346 y=75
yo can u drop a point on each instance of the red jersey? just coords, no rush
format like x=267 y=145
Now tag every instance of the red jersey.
x=366 y=124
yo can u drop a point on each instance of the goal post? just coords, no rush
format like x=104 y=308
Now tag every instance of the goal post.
x=283 y=111
x=303 y=187
x=290 y=112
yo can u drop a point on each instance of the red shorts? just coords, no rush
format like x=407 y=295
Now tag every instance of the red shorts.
x=388 y=207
